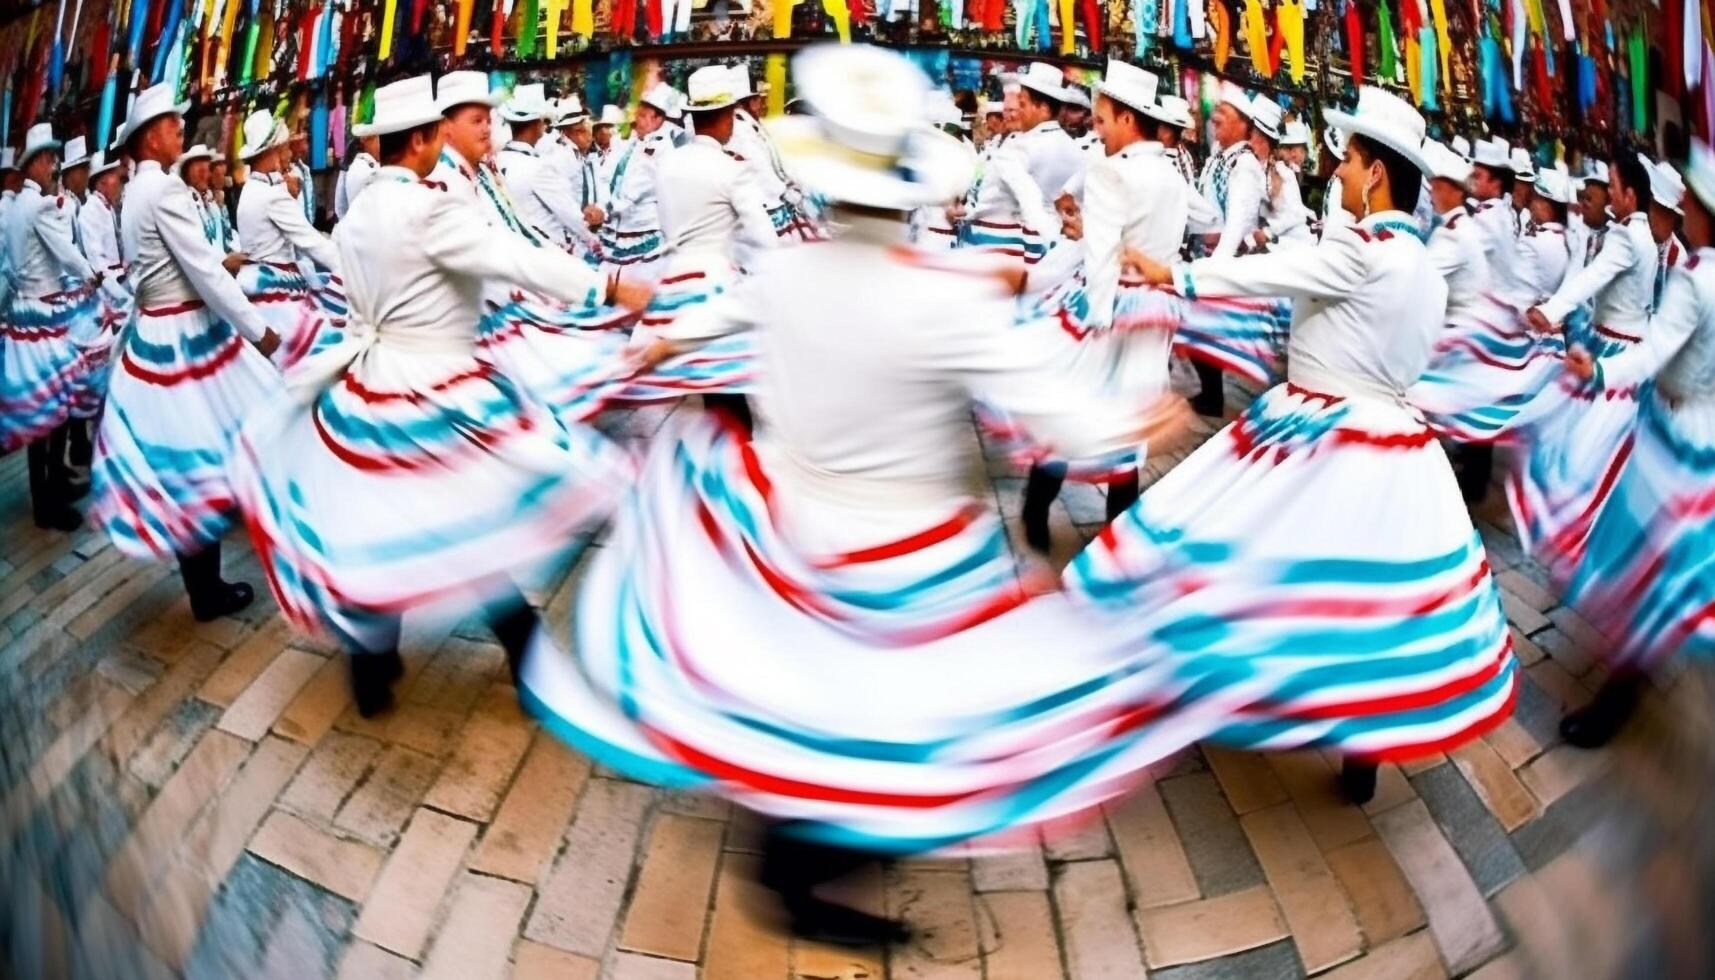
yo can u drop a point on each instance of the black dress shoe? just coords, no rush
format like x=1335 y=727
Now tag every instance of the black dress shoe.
x=222 y=600
x=1596 y=724
x=839 y=925
x=60 y=518
x=1358 y=782
x=372 y=677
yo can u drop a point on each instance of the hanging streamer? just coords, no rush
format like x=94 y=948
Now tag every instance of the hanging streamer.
x=1691 y=44
x=56 y=56
x=1221 y=21
x=1413 y=64
x=583 y=18
x=389 y=11
x=1443 y=42
x=1094 y=13
x=1387 y=68
x=774 y=70
x=104 y=115
x=782 y=17
x=461 y=27
x=551 y=20
x=1519 y=27
x=1182 y=25
x=1068 y=40
x=164 y=48
x=1144 y=14
x=842 y=17
x=530 y=23
x=1355 y=42
x=1431 y=67
x=1256 y=36
x=1640 y=80
x=319 y=132
x=1291 y=23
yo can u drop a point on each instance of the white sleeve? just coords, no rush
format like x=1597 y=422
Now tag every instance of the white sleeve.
x=1614 y=259
x=754 y=223
x=1244 y=204
x=1329 y=271
x=458 y=240
x=552 y=186
x=53 y=227
x=1104 y=213
x=1445 y=255
x=1668 y=331
x=180 y=228
x=284 y=212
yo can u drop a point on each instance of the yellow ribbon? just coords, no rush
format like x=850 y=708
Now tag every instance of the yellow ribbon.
x=774 y=70
x=1256 y=36
x=1413 y=68
x=551 y=11
x=227 y=23
x=388 y=11
x=583 y=18
x=1068 y=40
x=842 y=16
x=1443 y=41
x=782 y=18
x=1292 y=25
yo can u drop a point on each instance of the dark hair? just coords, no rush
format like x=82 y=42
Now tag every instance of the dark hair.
x=1037 y=98
x=1504 y=176
x=395 y=145
x=1629 y=167
x=1404 y=180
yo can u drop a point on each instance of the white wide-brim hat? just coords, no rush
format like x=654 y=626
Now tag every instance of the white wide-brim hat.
x=739 y=75
x=1700 y=173
x=262 y=132
x=569 y=111
x=1172 y=110
x=401 y=106
x=1666 y=187
x=150 y=104
x=1492 y=153
x=528 y=104
x=865 y=141
x=662 y=96
x=1044 y=79
x=1596 y=172
x=37 y=139
x=76 y=153
x=1445 y=163
x=1295 y=134
x=1235 y=95
x=1461 y=146
x=1554 y=185
x=611 y=115
x=1266 y=115
x=457 y=88
x=102 y=163
x=1076 y=95
x=1387 y=119
x=712 y=88
x=1523 y=166
x=197 y=152
x=1129 y=85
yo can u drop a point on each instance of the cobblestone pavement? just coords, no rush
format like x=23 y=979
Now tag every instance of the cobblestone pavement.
x=202 y=799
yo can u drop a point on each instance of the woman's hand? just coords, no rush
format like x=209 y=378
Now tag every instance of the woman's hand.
x=1151 y=271
x=1580 y=363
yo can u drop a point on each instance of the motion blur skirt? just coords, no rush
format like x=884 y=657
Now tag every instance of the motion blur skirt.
x=42 y=369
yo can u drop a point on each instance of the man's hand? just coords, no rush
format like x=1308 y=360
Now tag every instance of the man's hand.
x=269 y=343
x=293 y=184
x=1538 y=320
x=1212 y=241
x=233 y=262
x=1580 y=363
x=1153 y=272
x=1072 y=227
x=630 y=295
x=1260 y=238
x=593 y=216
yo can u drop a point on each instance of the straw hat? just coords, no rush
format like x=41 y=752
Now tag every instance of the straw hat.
x=402 y=105
x=1387 y=119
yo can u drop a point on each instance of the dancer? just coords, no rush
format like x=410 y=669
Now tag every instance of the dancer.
x=278 y=241
x=754 y=148
x=1284 y=218
x=754 y=590
x=1666 y=211
x=538 y=188
x=1004 y=212
x=187 y=374
x=54 y=297
x=629 y=222
x=569 y=175
x=1314 y=559
x=1545 y=249
x=356 y=176
x=1647 y=577
x=404 y=470
x=1234 y=184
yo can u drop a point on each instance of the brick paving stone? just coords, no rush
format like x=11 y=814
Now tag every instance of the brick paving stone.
x=1380 y=895
x=938 y=904
x=262 y=914
x=58 y=758
x=521 y=841
x=1561 y=824
x=363 y=961
x=1220 y=855
x=431 y=731
x=1528 y=590
x=1510 y=966
x=1513 y=743
x=1276 y=961
x=745 y=942
x=577 y=906
x=1475 y=834
x=1150 y=854
x=534 y=961
x=1015 y=868
x=476 y=940
x=332 y=772
x=1424 y=764
x=1311 y=900
x=177 y=734
x=1080 y=838
x=1558 y=684
x=97 y=616
x=633 y=966
x=670 y=904
x=1018 y=941
x=1537 y=711
x=1565 y=651
x=318 y=704
x=1525 y=650
x=480 y=768
x=401 y=906
x=1410 y=957
x=245 y=663
x=1314 y=787
x=1588 y=638
x=1540 y=928
x=1392 y=789
x=1210 y=928
x=1100 y=943
x=133 y=671
x=1493 y=779
x=253 y=712
x=382 y=804
x=1465 y=932
x=865 y=890
x=1246 y=778
x=1560 y=770
x=1521 y=614
x=344 y=867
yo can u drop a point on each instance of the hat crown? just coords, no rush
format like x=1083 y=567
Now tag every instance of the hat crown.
x=1665 y=185
x=739 y=77
x=712 y=87
x=1296 y=134
x=1134 y=86
x=662 y=96
x=611 y=115
x=1045 y=78
x=76 y=149
x=1555 y=185
x=1265 y=113
x=38 y=135
x=1492 y=153
x=1445 y=163
x=455 y=88
x=402 y=105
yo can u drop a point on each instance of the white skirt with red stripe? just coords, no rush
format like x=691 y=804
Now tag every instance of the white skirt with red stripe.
x=881 y=674
x=287 y=302
x=726 y=365
x=1490 y=375
x=181 y=383
x=42 y=370
x=1314 y=568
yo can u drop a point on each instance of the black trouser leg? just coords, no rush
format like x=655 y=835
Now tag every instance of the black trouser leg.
x=1212 y=400
x=1122 y=493
x=1476 y=467
x=211 y=596
x=50 y=483
x=1358 y=780
x=513 y=623
x=82 y=447
x=737 y=406
x=793 y=868
x=1041 y=488
x=1596 y=724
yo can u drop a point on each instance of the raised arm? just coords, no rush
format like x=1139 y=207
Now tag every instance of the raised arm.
x=287 y=216
x=1617 y=255
x=456 y=239
x=1329 y=271
x=1669 y=330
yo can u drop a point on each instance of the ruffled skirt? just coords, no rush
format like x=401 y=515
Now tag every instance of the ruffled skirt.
x=96 y=340
x=287 y=301
x=879 y=674
x=726 y=365
x=1489 y=375
x=182 y=384
x=571 y=359
x=42 y=370
x=1313 y=567
x=636 y=256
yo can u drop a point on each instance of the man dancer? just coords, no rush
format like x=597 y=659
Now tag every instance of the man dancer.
x=539 y=189
x=306 y=180
x=185 y=378
x=356 y=176
x=572 y=165
x=630 y=225
x=1234 y=184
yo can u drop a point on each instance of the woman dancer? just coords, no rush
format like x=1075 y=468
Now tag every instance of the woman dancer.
x=1314 y=559
x=755 y=591
x=405 y=470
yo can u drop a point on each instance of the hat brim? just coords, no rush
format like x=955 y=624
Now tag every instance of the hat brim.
x=716 y=106
x=1130 y=100
x=491 y=100
x=938 y=167
x=513 y=116
x=30 y=151
x=248 y=153
x=133 y=125
x=571 y=120
x=1352 y=125
x=113 y=164
x=1055 y=92
x=423 y=118
x=82 y=161
x=1168 y=119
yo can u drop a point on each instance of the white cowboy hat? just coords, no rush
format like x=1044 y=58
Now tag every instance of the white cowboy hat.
x=1700 y=173
x=40 y=137
x=528 y=104
x=662 y=96
x=991 y=107
x=1236 y=97
x=611 y=115
x=1596 y=172
x=1460 y=145
x=1554 y=185
x=197 y=152
x=1172 y=110
x=1445 y=163
x=400 y=106
x=150 y=104
x=457 y=88
x=1043 y=78
x=569 y=111
x=1666 y=187
x=713 y=87
x=1523 y=166
x=1387 y=119
x=1296 y=133
x=865 y=141
x=1492 y=153
x=262 y=132
x=740 y=76
x=102 y=163
x=76 y=153
x=1129 y=85
x=1266 y=115
x=1077 y=95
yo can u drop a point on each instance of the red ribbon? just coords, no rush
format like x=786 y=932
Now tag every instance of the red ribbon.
x=1355 y=41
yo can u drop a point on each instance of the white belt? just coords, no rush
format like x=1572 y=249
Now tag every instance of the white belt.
x=320 y=371
x=1326 y=381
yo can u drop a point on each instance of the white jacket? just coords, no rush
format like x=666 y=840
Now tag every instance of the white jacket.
x=1620 y=281
x=1679 y=347
x=707 y=201
x=631 y=196
x=98 y=232
x=542 y=191
x=1456 y=252
x=40 y=243
x=1239 y=203
x=170 y=260
x=271 y=224
x=352 y=181
x=1133 y=199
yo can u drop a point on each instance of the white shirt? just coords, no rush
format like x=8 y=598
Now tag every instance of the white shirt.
x=352 y=181
x=1091 y=152
x=1283 y=210
x=39 y=241
x=706 y=200
x=484 y=187
x=1543 y=255
x=1500 y=243
x=631 y=196
x=1005 y=195
x=273 y=228
x=98 y=231
x=1679 y=347
x=542 y=192
x=604 y=163
x=1242 y=203
x=753 y=146
x=171 y=262
x=1368 y=305
x=1134 y=199
x=1049 y=156
x=1620 y=280
x=1456 y=252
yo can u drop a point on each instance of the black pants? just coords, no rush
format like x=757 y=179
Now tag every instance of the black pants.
x=365 y=633
x=1212 y=400
x=201 y=573
x=793 y=867
x=1476 y=466
x=49 y=479
x=81 y=447
x=736 y=406
x=1042 y=486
